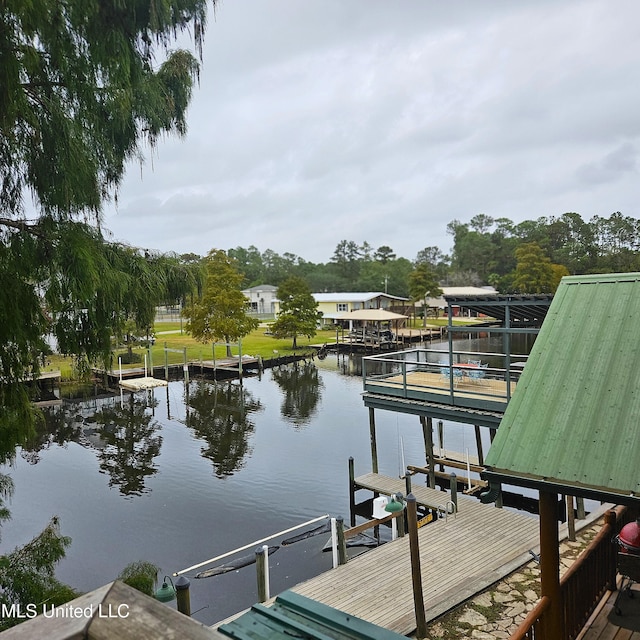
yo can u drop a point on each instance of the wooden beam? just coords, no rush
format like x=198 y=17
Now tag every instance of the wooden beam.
x=550 y=566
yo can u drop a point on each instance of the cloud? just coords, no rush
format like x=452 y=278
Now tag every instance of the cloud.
x=324 y=120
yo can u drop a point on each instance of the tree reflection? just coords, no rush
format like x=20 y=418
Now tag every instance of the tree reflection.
x=130 y=444
x=220 y=414
x=57 y=425
x=302 y=388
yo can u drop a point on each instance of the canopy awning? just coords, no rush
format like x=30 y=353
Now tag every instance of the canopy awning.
x=375 y=315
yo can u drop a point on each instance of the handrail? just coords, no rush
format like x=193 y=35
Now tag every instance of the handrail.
x=528 y=629
x=577 y=607
x=251 y=544
x=369 y=524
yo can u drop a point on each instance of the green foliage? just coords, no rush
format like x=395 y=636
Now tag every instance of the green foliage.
x=80 y=95
x=423 y=285
x=78 y=85
x=534 y=272
x=298 y=311
x=27 y=574
x=221 y=312
x=141 y=575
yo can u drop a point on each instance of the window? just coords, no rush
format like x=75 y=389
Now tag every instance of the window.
x=342 y=306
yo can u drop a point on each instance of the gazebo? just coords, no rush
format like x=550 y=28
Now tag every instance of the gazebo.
x=572 y=424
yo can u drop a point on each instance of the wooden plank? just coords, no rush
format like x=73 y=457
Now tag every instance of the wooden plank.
x=481 y=543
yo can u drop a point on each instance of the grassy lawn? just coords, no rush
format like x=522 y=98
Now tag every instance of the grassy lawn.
x=168 y=335
x=257 y=343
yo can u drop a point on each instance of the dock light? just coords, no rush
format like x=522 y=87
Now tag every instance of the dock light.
x=166 y=593
x=396 y=503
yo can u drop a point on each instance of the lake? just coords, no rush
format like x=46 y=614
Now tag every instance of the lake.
x=182 y=474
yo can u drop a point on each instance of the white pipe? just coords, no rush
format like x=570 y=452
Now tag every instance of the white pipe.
x=251 y=544
x=120 y=365
x=145 y=365
x=265 y=550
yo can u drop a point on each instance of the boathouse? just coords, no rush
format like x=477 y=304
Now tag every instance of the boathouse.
x=571 y=427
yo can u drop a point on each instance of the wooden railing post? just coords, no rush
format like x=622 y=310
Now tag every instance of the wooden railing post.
x=610 y=519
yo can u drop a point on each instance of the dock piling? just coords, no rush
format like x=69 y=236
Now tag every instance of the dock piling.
x=416 y=573
x=262 y=569
x=183 y=599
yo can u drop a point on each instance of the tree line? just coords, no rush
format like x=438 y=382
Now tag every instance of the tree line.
x=526 y=257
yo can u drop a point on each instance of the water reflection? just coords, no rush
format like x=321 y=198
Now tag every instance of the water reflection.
x=302 y=389
x=131 y=442
x=221 y=414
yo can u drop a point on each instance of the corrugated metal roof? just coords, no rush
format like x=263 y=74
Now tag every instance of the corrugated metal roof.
x=574 y=418
x=353 y=296
x=295 y=616
x=522 y=310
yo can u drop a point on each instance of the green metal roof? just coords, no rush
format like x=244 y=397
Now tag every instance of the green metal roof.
x=295 y=616
x=574 y=419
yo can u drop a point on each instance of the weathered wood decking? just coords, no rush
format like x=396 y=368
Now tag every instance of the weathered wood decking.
x=460 y=556
x=437 y=383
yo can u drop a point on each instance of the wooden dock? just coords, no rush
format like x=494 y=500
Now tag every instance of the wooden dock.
x=460 y=556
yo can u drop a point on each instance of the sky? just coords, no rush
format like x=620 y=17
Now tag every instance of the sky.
x=317 y=121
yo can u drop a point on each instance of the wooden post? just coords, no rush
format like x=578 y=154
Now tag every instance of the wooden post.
x=441 y=438
x=479 y=444
x=571 y=519
x=400 y=524
x=553 y=620
x=610 y=519
x=374 y=445
x=580 y=508
x=342 y=543
x=453 y=488
x=182 y=595
x=166 y=362
x=262 y=568
x=352 y=492
x=416 y=573
x=427 y=433
x=407 y=484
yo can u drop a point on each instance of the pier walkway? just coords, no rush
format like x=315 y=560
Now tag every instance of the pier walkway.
x=459 y=556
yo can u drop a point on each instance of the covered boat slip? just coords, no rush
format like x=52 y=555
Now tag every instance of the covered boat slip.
x=427 y=375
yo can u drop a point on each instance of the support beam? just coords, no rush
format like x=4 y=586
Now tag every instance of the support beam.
x=550 y=566
x=374 y=444
x=427 y=433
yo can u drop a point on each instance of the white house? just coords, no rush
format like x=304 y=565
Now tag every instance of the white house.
x=441 y=303
x=334 y=305
x=262 y=299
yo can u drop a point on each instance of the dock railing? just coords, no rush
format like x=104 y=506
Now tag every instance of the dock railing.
x=416 y=373
x=582 y=586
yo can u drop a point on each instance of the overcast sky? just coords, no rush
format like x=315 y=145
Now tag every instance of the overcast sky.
x=368 y=120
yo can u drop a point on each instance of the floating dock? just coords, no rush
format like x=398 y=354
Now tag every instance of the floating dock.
x=140 y=384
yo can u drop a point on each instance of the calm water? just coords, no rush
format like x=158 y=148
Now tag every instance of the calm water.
x=181 y=474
